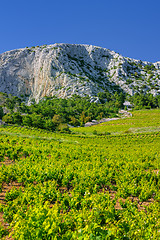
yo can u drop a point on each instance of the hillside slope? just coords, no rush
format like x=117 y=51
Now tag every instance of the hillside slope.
x=66 y=69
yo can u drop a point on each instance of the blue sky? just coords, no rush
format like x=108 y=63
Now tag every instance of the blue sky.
x=131 y=28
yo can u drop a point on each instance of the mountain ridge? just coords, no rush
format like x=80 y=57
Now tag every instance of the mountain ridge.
x=65 y=69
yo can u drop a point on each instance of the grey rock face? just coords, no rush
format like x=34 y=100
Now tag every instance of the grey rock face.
x=66 y=69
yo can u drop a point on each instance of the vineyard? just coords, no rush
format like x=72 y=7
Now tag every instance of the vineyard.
x=142 y=121
x=82 y=185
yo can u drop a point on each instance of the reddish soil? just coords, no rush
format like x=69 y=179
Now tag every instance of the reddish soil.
x=5 y=188
x=141 y=205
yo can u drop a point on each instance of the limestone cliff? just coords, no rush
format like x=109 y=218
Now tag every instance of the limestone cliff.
x=66 y=69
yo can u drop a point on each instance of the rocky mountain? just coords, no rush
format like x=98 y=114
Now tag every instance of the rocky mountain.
x=66 y=69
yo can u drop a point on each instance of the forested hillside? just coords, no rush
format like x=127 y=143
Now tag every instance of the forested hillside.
x=56 y=114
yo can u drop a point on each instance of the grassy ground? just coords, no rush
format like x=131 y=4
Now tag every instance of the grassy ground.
x=141 y=121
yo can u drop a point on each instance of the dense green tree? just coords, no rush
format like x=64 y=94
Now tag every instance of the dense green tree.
x=7 y=118
x=27 y=120
x=37 y=121
x=12 y=102
x=52 y=112
x=17 y=118
x=49 y=125
x=74 y=121
x=57 y=119
x=119 y=100
x=142 y=100
x=82 y=118
x=158 y=101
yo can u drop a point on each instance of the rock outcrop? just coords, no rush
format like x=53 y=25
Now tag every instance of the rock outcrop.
x=66 y=69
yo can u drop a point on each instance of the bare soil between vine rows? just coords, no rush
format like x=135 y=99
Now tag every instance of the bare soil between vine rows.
x=7 y=187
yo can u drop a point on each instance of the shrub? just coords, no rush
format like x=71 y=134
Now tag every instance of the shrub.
x=74 y=121
x=95 y=132
x=27 y=120
x=17 y=118
x=7 y=118
x=57 y=119
x=1 y=112
x=63 y=128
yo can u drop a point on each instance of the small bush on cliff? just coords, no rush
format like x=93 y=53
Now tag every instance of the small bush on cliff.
x=1 y=112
